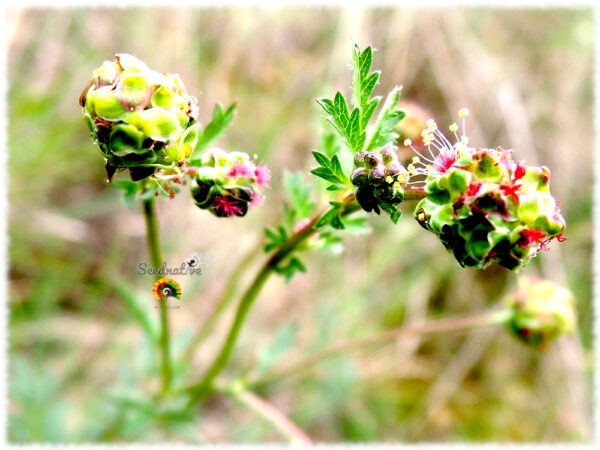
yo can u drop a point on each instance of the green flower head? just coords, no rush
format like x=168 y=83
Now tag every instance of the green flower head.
x=541 y=311
x=483 y=206
x=139 y=117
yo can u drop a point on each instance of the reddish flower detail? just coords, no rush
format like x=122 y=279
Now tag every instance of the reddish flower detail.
x=263 y=175
x=225 y=206
x=519 y=172
x=444 y=161
x=239 y=170
x=557 y=214
x=533 y=236
x=257 y=199
x=474 y=188
x=512 y=191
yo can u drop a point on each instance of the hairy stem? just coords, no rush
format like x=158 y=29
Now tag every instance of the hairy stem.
x=199 y=389
x=436 y=326
x=156 y=259
x=267 y=411
x=230 y=289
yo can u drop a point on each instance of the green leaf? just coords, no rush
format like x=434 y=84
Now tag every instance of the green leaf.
x=275 y=238
x=215 y=127
x=364 y=84
x=321 y=158
x=330 y=170
x=392 y=210
x=289 y=270
x=386 y=121
x=347 y=124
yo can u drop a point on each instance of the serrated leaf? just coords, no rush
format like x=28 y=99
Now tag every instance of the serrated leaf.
x=336 y=168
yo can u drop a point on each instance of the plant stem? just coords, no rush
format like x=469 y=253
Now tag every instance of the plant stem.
x=436 y=326
x=199 y=389
x=268 y=412
x=156 y=259
x=230 y=289
x=414 y=194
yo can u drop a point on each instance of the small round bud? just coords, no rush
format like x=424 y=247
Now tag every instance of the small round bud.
x=372 y=159
x=378 y=173
x=388 y=155
x=359 y=158
x=541 y=311
x=393 y=168
x=360 y=177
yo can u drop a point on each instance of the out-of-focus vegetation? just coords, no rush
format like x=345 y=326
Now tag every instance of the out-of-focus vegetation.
x=78 y=360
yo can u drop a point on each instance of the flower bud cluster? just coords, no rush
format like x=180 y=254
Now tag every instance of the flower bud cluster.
x=378 y=177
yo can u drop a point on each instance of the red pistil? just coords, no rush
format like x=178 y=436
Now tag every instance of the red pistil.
x=225 y=206
x=519 y=172
x=533 y=236
x=474 y=188
x=512 y=191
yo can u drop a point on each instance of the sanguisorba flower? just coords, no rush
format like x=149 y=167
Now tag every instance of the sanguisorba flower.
x=540 y=311
x=139 y=117
x=482 y=205
x=227 y=184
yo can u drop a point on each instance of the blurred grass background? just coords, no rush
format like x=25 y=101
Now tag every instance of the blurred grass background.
x=525 y=75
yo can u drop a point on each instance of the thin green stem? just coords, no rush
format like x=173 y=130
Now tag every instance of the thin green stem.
x=230 y=289
x=156 y=259
x=267 y=411
x=199 y=389
x=436 y=326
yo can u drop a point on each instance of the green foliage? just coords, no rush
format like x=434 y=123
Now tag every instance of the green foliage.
x=352 y=126
x=220 y=120
x=388 y=118
x=330 y=170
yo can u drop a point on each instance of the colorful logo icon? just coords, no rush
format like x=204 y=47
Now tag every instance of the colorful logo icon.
x=165 y=288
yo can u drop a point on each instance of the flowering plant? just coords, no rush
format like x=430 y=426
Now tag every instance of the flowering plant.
x=483 y=206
